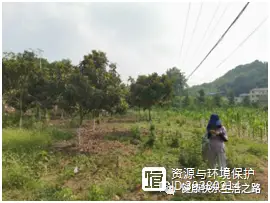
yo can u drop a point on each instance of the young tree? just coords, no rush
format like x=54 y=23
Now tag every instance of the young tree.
x=151 y=90
x=231 y=98
x=179 y=81
x=217 y=100
x=201 y=97
x=93 y=86
x=186 y=101
x=19 y=70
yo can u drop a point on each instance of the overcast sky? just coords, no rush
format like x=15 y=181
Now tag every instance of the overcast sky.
x=141 y=38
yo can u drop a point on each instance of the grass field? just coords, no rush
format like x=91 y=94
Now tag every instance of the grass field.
x=38 y=162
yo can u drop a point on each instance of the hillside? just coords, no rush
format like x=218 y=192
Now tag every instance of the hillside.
x=240 y=79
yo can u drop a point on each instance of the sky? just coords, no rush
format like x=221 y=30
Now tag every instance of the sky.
x=141 y=38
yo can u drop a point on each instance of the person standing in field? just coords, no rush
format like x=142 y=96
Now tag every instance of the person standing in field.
x=215 y=147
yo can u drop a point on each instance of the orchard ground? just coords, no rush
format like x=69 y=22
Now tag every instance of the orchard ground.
x=38 y=161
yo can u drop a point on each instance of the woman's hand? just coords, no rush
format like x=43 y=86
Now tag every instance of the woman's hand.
x=218 y=132
x=213 y=132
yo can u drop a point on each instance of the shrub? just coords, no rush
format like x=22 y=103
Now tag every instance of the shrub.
x=150 y=142
x=258 y=150
x=95 y=193
x=15 y=177
x=190 y=154
x=175 y=143
x=136 y=134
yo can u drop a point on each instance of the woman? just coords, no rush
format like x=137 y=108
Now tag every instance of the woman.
x=216 y=135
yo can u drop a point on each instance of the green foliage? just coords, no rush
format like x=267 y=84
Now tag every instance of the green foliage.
x=56 y=193
x=178 y=80
x=152 y=127
x=152 y=139
x=231 y=98
x=258 y=150
x=246 y=101
x=186 y=101
x=16 y=176
x=150 y=90
x=201 y=97
x=32 y=170
x=96 y=194
x=122 y=107
x=60 y=135
x=217 y=100
x=240 y=80
x=190 y=153
x=175 y=143
x=25 y=140
x=88 y=88
x=136 y=134
x=39 y=174
x=10 y=120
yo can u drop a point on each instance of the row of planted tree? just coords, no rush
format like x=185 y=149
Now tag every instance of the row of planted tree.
x=92 y=86
x=89 y=88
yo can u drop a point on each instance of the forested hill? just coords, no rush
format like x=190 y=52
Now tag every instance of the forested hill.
x=239 y=80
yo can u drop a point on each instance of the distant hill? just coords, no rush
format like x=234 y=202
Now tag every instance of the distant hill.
x=240 y=80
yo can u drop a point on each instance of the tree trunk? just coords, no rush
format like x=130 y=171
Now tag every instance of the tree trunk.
x=46 y=115
x=81 y=116
x=55 y=109
x=62 y=114
x=21 y=112
x=149 y=113
x=37 y=112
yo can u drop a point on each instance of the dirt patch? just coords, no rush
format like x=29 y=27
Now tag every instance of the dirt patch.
x=77 y=185
x=95 y=141
x=104 y=147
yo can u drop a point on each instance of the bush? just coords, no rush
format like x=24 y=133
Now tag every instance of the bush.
x=10 y=120
x=55 y=193
x=150 y=142
x=136 y=134
x=122 y=107
x=95 y=193
x=152 y=127
x=15 y=177
x=258 y=150
x=175 y=143
x=190 y=154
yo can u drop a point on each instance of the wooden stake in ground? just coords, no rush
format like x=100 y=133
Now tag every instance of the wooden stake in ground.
x=79 y=136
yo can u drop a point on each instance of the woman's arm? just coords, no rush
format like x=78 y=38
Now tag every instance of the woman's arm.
x=223 y=134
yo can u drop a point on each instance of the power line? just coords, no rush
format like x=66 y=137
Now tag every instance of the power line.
x=194 y=29
x=225 y=59
x=224 y=11
x=199 y=48
x=184 y=30
x=237 y=17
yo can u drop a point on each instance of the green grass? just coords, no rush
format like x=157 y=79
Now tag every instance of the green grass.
x=25 y=140
x=33 y=171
